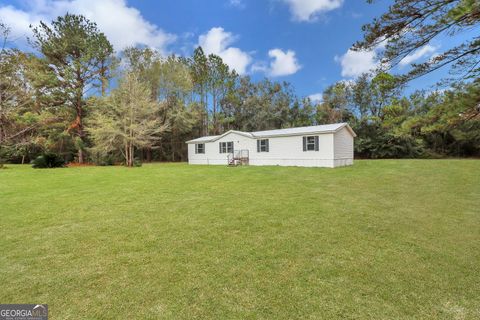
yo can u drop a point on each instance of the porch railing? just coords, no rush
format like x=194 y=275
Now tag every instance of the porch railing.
x=238 y=157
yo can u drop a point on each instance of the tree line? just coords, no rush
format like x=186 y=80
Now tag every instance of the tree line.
x=73 y=96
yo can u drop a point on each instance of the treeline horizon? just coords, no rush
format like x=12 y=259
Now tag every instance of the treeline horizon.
x=59 y=99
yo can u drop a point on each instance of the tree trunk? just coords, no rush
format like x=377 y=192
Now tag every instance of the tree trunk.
x=2 y=135
x=214 y=114
x=149 y=154
x=81 y=156
x=103 y=77
x=1 y=131
x=104 y=87
x=126 y=154
x=78 y=124
x=206 y=111
x=81 y=135
x=130 y=153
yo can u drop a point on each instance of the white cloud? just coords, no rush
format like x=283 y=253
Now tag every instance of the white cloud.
x=218 y=41
x=354 y=63
x=316 y=97
x=427 y=50
x=239 y=4
x=309 y=10
x=283 y=63
x=259 y=66
x=123 y=25
x=19 y=21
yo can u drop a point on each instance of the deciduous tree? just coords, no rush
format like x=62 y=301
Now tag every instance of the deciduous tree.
x=127 y=120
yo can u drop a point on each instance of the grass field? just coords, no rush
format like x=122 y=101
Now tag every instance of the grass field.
x=393 y=239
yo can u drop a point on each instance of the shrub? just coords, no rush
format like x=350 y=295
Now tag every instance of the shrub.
x=48 y=160
x=137 y=162
x=105 y=161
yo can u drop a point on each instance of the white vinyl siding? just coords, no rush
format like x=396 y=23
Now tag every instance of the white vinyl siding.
x=282 y=150
x=212 y=150
x=343 y=144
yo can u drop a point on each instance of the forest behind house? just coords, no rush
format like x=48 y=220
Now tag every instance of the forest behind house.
x=72 y=96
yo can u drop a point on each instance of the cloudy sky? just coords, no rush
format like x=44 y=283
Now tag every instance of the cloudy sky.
x=305 y=42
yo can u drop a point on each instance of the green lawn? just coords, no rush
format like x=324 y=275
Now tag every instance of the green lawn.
x=393 y=239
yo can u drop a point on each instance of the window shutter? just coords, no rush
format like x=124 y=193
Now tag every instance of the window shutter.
x=316 y=143
x=196 y=148
x=268 y=145
x=220 y=147
x=304 y=143
x=258 y=145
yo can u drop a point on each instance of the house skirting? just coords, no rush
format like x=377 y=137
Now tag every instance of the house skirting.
x=328 y=163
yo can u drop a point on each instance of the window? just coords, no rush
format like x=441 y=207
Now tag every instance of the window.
x=226 y=147
x=310 y=143
x=262 y=145
x=200 y=148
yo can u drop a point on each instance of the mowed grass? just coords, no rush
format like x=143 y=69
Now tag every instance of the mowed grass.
x=393 y=239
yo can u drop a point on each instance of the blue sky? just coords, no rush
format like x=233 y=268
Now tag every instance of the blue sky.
x=305 y=42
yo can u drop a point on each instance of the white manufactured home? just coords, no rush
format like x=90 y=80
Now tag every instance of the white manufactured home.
x=328 y=145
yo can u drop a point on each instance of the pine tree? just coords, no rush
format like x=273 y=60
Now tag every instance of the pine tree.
x=77 y=53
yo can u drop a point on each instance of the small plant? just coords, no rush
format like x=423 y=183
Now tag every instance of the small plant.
x=137 y=162
x=2 y=163
x=48 y=160
x=106 y=161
